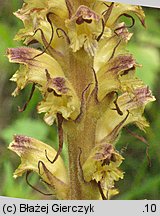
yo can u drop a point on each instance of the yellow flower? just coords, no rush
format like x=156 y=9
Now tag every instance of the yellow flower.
x=47 y=74
x=84 y=27
x=32 y=154
x=34 y=16
x=102 y=166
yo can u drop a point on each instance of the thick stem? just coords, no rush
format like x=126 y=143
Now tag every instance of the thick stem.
x=75 y=185
x=80 y=71
x=80 y=142
x=80 y=134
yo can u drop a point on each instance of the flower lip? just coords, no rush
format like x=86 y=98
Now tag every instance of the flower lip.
x=22 y=54
x=21 y=139
x=57 y=83
x=104 y=153
x=121 y=63
x=85 y=14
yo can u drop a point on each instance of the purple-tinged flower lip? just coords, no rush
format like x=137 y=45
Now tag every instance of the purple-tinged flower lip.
x=19 y=54
x=83 y=29
x=47 y=74
x=105 y=152
x=33 y=158
x=21 y=139
x=114 y=69
x=58 y=84
x=85 y=14
x=122 y=63
x=21 y=142
x=142 y=96
x=31 y=151
x=23 y=55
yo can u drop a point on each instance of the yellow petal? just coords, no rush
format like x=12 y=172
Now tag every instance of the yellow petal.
x=67 y=105
x=58 y=94
x=132 y=106
x=32 y=10
x=31 y=152
x=102 y=165
x=109 y=75
x=84 y=27
x=118 y=10
x=109 y=48
x=33 y=69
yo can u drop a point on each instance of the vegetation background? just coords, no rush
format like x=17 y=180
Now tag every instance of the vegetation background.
x=141 y=181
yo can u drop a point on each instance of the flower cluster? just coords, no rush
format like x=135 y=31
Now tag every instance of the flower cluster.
x=89 y=88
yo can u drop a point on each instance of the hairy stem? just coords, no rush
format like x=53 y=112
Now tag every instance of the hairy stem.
x=80 y=138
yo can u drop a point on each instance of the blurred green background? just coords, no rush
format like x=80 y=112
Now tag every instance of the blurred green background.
x=141 y=181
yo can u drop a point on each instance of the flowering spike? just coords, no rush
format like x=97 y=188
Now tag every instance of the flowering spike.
x=89 y=88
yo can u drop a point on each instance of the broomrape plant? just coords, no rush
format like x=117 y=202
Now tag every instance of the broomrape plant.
x=89 y=89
